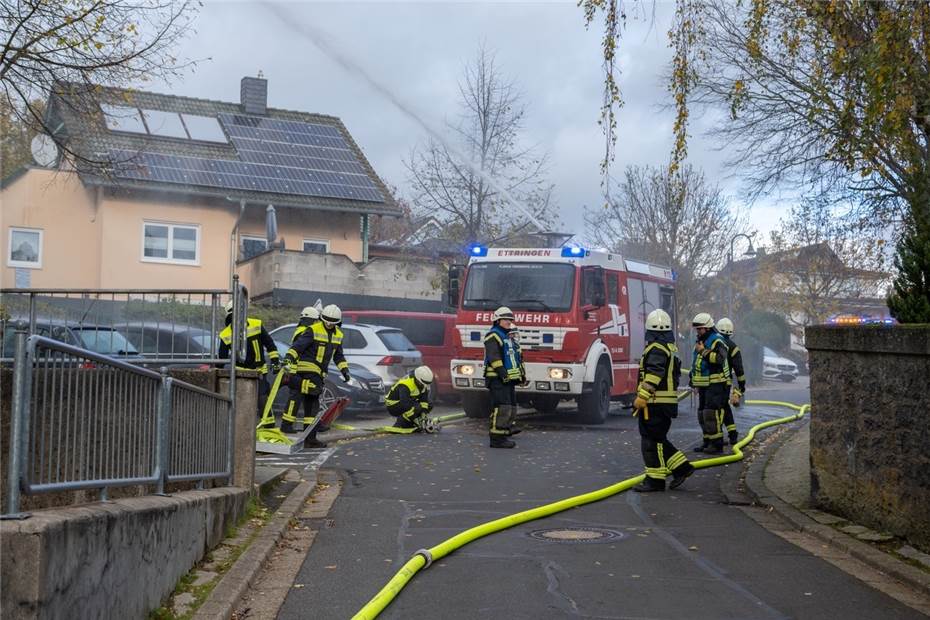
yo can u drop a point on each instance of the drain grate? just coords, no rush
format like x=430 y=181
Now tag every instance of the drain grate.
x=577 y=535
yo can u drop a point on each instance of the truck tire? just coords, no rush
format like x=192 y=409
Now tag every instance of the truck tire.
x=545 y=403
x=594 y=406
x=476 y=404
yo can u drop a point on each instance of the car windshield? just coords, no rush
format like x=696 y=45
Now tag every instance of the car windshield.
x=769 y=353
x=103 y=340
x=520 y=286
x=395 y=340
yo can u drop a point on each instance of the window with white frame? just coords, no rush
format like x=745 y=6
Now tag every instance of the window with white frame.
x=253 y=246
x=25 y=248
x=316 y=246
x=170 y=243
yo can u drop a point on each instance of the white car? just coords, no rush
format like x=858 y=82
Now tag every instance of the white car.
x=384 y=351
x=776 y=367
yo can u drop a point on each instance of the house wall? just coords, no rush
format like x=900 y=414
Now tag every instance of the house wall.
x=342 y=230
x=59 y=205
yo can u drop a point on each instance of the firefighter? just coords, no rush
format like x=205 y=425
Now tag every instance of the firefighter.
x=257 y=339
x=503 y=370
x=656 y=404
x=307 y=361
x=710 y=371
x=725 y=327
x=308 y=316
x=408 y=399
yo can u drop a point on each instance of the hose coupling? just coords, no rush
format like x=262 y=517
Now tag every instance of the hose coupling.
x=426 y=556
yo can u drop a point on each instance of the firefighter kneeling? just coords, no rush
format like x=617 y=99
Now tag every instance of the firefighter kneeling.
x=657 y=403
x=408 y=400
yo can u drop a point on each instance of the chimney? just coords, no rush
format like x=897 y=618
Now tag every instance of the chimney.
x=253 y=95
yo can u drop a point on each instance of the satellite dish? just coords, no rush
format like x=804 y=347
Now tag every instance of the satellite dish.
x=44 y=150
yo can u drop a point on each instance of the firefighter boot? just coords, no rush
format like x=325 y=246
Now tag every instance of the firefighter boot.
x=650 y=485
x=680 y=474
x=701 y=447
x=734 y=437
x=513 y=421
x=312 y=442
x=714 y=447
x=287 y=427
x=501 y=441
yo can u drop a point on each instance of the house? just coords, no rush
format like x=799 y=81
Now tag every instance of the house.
x=166 y=192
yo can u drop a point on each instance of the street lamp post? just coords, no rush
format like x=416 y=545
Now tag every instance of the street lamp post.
x=750 y=252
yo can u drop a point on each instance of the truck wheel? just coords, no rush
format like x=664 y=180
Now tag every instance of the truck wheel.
x=545 y=403
x=594 y=406
x=476 y=404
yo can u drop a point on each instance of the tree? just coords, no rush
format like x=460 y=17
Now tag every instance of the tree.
x=910 y=300
x=483 y=184
x=815 y=266
x=15 y=139
x=676 y=219
x=73 y=46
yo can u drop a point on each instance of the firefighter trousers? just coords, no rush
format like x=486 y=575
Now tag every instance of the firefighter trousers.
x=409 y=418
x=305 y=387
x=729 y=422
x=503 y=406
x=659 y=455
x=712 y=402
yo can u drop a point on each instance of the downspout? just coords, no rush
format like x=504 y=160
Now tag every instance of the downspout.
x=365 y=232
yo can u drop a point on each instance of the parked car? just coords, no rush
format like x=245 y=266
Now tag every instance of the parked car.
x=430 y=332
x=383 y=351
x=175 y=342
x=102 y=339
x=776 y=367
x=366 y=390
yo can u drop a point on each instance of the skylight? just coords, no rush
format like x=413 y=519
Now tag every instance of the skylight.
x=164 y=124
x=204 y=128
x=123 y=118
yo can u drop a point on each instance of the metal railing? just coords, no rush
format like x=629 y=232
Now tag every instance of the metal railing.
x=83 y=420
x=142 y=326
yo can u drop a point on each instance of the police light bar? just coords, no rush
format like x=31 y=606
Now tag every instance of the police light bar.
x=477 y=250
x=574 y=251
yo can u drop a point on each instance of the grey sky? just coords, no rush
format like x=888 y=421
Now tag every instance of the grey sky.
x=418 y=50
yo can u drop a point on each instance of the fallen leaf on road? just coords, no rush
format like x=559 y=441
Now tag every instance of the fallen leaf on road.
x=333 y=567
x=298 y=585
x=693 y=548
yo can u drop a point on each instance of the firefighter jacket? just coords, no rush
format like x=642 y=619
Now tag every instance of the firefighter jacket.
x=314 y=348
x=502 y=357
x=302 y=326
x=712 y=365
x=659 y=369
x=407 y=397
x=736 y=363
x=257 y=338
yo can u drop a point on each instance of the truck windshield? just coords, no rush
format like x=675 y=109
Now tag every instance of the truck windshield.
x=520 y=286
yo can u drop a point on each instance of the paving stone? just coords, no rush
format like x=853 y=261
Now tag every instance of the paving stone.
x=912 y=553
x=874 y=537
x=855 y=530
x=824 y=518
x=182 y=603
x=203 y=577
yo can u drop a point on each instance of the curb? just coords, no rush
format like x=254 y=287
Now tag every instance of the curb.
x=879 y=560
x=264 y=487
x=225 y=596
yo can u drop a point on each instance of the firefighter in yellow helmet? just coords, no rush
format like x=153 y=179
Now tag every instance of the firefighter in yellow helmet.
x=258 y=343
x=307 y=362
x=725 y=327
x=408 y=399
x=710 y=371
x=503 y=370
x=656 y=404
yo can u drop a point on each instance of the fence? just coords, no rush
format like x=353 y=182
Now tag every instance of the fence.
x=141 y=326
x=83 y=420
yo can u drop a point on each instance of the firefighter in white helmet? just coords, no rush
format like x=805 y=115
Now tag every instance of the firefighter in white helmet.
x=710 y=371
x=656 y=404
x=503 y=370
x=409 y=399
x=307 y=362
x=725 y=327
x=308 y=316
x=258 y=343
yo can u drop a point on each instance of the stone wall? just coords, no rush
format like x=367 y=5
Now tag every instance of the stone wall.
x=870 y=426
x=117 y=559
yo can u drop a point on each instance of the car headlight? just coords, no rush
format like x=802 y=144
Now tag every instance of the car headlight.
x=355 y=383
x=560 y=373
x=466 y=370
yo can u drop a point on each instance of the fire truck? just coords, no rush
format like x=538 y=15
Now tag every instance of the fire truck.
x=580 y=316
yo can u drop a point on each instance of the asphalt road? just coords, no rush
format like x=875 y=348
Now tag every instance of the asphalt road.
x=682 y=554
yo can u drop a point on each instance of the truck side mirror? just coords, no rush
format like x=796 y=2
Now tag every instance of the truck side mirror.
x=453 y=284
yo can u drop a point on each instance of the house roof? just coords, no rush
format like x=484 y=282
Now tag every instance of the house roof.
x=282 y=157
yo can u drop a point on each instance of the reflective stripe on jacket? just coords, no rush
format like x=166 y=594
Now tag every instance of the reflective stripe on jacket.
x=658 y=373
x=713 y=366
x=502 y=357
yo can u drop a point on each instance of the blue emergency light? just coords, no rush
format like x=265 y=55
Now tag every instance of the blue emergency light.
x=573 y=251
x=477 y=250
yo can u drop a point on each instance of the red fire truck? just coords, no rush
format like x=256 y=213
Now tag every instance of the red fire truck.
x=580 y=315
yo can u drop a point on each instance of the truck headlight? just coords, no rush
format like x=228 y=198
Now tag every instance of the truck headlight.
x=466 y=370
x=560 y=373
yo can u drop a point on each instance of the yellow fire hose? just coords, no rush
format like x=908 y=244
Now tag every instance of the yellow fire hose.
x=395 y=429
x=424 y=557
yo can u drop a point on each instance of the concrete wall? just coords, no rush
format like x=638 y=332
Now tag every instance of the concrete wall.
x=114 y=560
x=870 y=424
x=322 y=275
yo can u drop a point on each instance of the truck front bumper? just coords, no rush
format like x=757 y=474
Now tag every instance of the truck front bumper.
x=555 y=379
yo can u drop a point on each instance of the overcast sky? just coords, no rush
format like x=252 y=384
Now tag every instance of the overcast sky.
x=418 y=50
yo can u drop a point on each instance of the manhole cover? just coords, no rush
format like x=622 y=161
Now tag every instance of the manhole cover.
x=577 y=535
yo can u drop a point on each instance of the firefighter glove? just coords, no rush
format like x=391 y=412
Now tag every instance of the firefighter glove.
x=275 y=366
x=639 y=402
x=735 y=397
x=345 y=375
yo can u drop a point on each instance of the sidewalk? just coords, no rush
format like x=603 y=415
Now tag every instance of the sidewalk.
x=780 y=478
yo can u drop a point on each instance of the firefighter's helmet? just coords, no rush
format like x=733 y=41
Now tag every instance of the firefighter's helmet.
x=659 y=321
x=310 y=312
x=503 y=313
x=331 y=314
x=725 y=326
x=702 y=319
x=423 y=374
x=229 y=307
